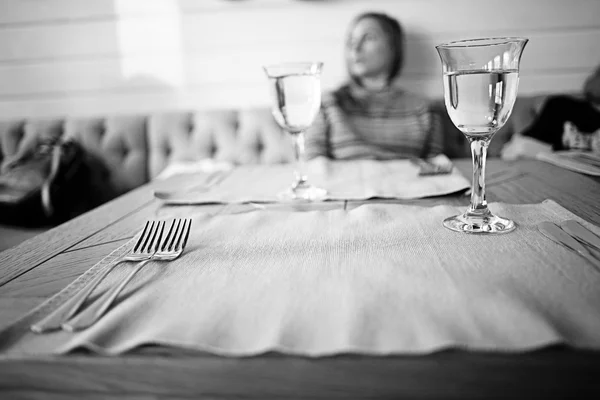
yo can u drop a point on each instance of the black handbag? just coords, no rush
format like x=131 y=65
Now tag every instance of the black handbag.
x=51 y=184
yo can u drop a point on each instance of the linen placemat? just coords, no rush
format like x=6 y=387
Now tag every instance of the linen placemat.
x=378 y=279
x=343 y=180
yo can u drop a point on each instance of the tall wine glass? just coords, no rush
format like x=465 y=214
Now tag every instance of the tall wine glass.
x=481 y=78
x=296 y=99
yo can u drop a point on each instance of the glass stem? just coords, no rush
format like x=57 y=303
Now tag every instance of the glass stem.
x=479 y=153
x=299 y=157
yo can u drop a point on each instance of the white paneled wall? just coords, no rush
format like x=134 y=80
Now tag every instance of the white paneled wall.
x=75 y=57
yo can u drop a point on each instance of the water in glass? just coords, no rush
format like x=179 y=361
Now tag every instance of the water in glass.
x=480 y=102
x=297 y=99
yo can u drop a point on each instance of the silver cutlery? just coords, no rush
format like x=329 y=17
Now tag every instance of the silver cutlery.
x=213 y=180
x=581 y=233
x=142 y=251
x=171 y=247
x=556 y=234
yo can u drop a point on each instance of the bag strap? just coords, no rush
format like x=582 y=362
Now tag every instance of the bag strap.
x=46 y=186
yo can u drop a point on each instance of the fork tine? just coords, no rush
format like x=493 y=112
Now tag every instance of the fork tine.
x=186 y=233
x=142 y=237
x=148 y=239
x=176 y=236
x=175 y=245
x=182 y=235
x=156 y=242
x=147 y=248
x=170 y=235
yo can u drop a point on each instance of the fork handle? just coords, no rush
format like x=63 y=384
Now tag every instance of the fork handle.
x=591 y=258
x=56 y=318
x=91 y=314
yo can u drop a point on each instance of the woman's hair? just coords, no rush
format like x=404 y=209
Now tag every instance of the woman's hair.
x=395 y=35
x=591 y=87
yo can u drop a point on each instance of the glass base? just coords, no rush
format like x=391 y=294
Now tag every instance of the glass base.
x=479 y=222
x=303 y=193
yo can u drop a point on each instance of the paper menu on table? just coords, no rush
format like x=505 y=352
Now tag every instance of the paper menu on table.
x=579 y=161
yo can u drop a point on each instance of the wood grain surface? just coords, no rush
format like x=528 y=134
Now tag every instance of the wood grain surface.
x=40 y=267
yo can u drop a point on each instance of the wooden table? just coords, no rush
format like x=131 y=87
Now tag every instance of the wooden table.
x=35 y=270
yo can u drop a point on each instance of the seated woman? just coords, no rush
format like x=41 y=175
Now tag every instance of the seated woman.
x=564 y=123
x=371 y=117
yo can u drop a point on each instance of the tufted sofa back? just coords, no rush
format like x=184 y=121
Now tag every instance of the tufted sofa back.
x=187 y=137
x=120 y=142
x=137 y=148
x=240 y=137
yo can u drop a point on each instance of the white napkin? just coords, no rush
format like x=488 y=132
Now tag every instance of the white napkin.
x=378 y=279
x=343 y=180
x=193 y=167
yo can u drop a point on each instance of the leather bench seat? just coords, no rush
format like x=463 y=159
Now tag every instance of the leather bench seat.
x=136 y=148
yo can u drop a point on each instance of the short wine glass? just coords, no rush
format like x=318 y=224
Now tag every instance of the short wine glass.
x=296 y=99
x=481 y=78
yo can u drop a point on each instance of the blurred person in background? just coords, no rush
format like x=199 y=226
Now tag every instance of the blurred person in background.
x=371 y=116
x=565 y=122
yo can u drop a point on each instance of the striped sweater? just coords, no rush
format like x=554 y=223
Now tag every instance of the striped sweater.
x=390 y=124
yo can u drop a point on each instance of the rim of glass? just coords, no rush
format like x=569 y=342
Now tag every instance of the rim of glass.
x=292 y=64
x=302 y=67
x=479 y=42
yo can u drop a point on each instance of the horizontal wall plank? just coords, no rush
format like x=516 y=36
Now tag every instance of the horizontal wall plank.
x=48 y=12
x=170 y=69
x=23 y=12
x=58 y=41
x=221 y=97
x=277 y=26
x=420 y=18
x=27 y=12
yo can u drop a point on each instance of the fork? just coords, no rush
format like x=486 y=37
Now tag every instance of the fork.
x=581 y=233
x=555 y=233
x=143 y=250
x=171 y=248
